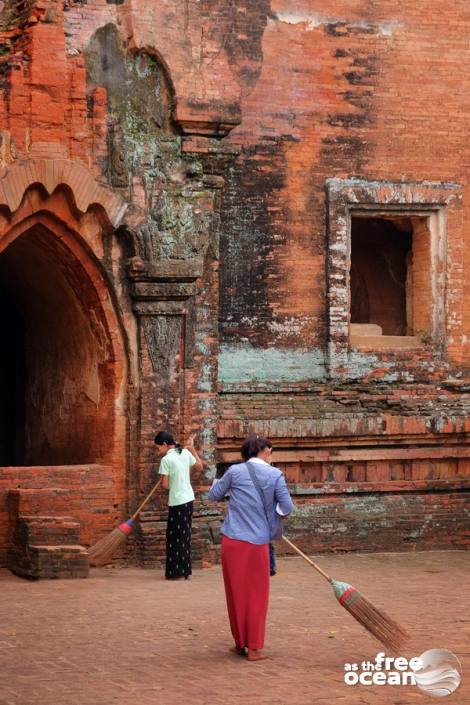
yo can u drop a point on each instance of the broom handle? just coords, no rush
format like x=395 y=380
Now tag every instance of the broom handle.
x=306 y=558
x=148 y=497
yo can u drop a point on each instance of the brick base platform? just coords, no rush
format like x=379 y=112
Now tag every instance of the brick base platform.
x=346 y=519
x=44 y=546
x=50 y=562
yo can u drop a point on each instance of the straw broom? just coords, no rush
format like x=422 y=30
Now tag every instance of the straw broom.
x=104 y=549
x=387 y=631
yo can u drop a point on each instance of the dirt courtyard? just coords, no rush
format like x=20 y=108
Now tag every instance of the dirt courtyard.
x=127 y=635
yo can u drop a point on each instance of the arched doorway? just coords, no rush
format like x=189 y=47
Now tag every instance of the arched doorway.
x=57 y=356
x=63 y=367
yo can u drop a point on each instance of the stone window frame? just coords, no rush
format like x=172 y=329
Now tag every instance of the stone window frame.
x=346 y=197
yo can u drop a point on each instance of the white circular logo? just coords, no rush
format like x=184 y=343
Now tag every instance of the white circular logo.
x=439 y=673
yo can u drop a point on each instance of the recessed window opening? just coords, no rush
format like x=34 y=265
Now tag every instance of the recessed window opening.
x=387 y=269
x=390 y=276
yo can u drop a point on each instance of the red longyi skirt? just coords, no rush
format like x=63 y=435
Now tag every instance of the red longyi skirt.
x=245 y=568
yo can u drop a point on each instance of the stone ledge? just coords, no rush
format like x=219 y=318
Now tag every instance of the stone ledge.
x=348 y=488
x=385 y=342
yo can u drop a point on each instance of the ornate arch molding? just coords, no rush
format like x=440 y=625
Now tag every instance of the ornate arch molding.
x=52 y=173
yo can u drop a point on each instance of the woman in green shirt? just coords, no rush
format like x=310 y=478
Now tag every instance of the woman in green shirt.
x=175 y=465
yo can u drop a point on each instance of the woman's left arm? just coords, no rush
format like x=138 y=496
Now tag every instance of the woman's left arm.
x=220 y=488
x=282 y=496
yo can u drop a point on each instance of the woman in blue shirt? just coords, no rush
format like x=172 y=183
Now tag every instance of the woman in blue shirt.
x=249 y=525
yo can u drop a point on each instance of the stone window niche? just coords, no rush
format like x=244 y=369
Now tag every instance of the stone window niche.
x=386 y=267
x=391 y=293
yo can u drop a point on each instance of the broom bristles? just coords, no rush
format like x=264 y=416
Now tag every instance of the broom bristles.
x=380 y=625
x=104 y=549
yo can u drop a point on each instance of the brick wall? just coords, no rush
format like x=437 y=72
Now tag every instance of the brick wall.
x=273 y=123
x=341 y=94
x=84 y=492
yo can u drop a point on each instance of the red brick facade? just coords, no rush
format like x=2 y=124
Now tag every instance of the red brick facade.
x=177 y=188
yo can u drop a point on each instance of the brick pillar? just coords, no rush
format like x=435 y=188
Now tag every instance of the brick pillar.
x=176 y=302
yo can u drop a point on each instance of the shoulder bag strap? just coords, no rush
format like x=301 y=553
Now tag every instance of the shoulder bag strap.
x=257 y=484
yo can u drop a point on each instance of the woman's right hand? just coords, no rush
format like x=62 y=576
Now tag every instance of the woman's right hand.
x=190 y=441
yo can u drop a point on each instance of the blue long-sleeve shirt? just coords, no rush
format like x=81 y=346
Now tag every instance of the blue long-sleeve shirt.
x=246 y=518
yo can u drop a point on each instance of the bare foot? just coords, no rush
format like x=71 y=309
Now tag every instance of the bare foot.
x=255 y=655
x=239 y=650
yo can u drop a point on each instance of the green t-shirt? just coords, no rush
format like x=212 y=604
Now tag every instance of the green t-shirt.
x=176 y=466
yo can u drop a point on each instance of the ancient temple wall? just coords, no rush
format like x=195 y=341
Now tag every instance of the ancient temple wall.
x=228 y=147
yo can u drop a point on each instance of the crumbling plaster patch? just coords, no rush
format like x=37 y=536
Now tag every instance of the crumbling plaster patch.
x=312 y=20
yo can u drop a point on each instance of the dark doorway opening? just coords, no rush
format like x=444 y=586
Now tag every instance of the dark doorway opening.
x=381 y=265
x=56 y=365
x=12 y=379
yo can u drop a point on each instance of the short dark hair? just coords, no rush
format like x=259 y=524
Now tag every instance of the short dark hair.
x=166 y=437
x=254 y=444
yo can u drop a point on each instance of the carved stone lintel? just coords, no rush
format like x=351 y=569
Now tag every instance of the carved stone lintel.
x=169 y=270
x=159 y=308
x=151 y=291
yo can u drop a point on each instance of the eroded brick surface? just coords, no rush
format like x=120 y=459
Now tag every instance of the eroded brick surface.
x=176 y=186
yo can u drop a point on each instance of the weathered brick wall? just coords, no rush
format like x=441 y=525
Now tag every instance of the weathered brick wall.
x=100 y=119
x=370 y=466
x=345 y=91
x=363 y=98
x=370 y=521
x=84 y=492
x=162 y=119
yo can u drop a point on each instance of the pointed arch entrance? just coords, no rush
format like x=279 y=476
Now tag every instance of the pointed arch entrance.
x=63 y=361
x=60 y=358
